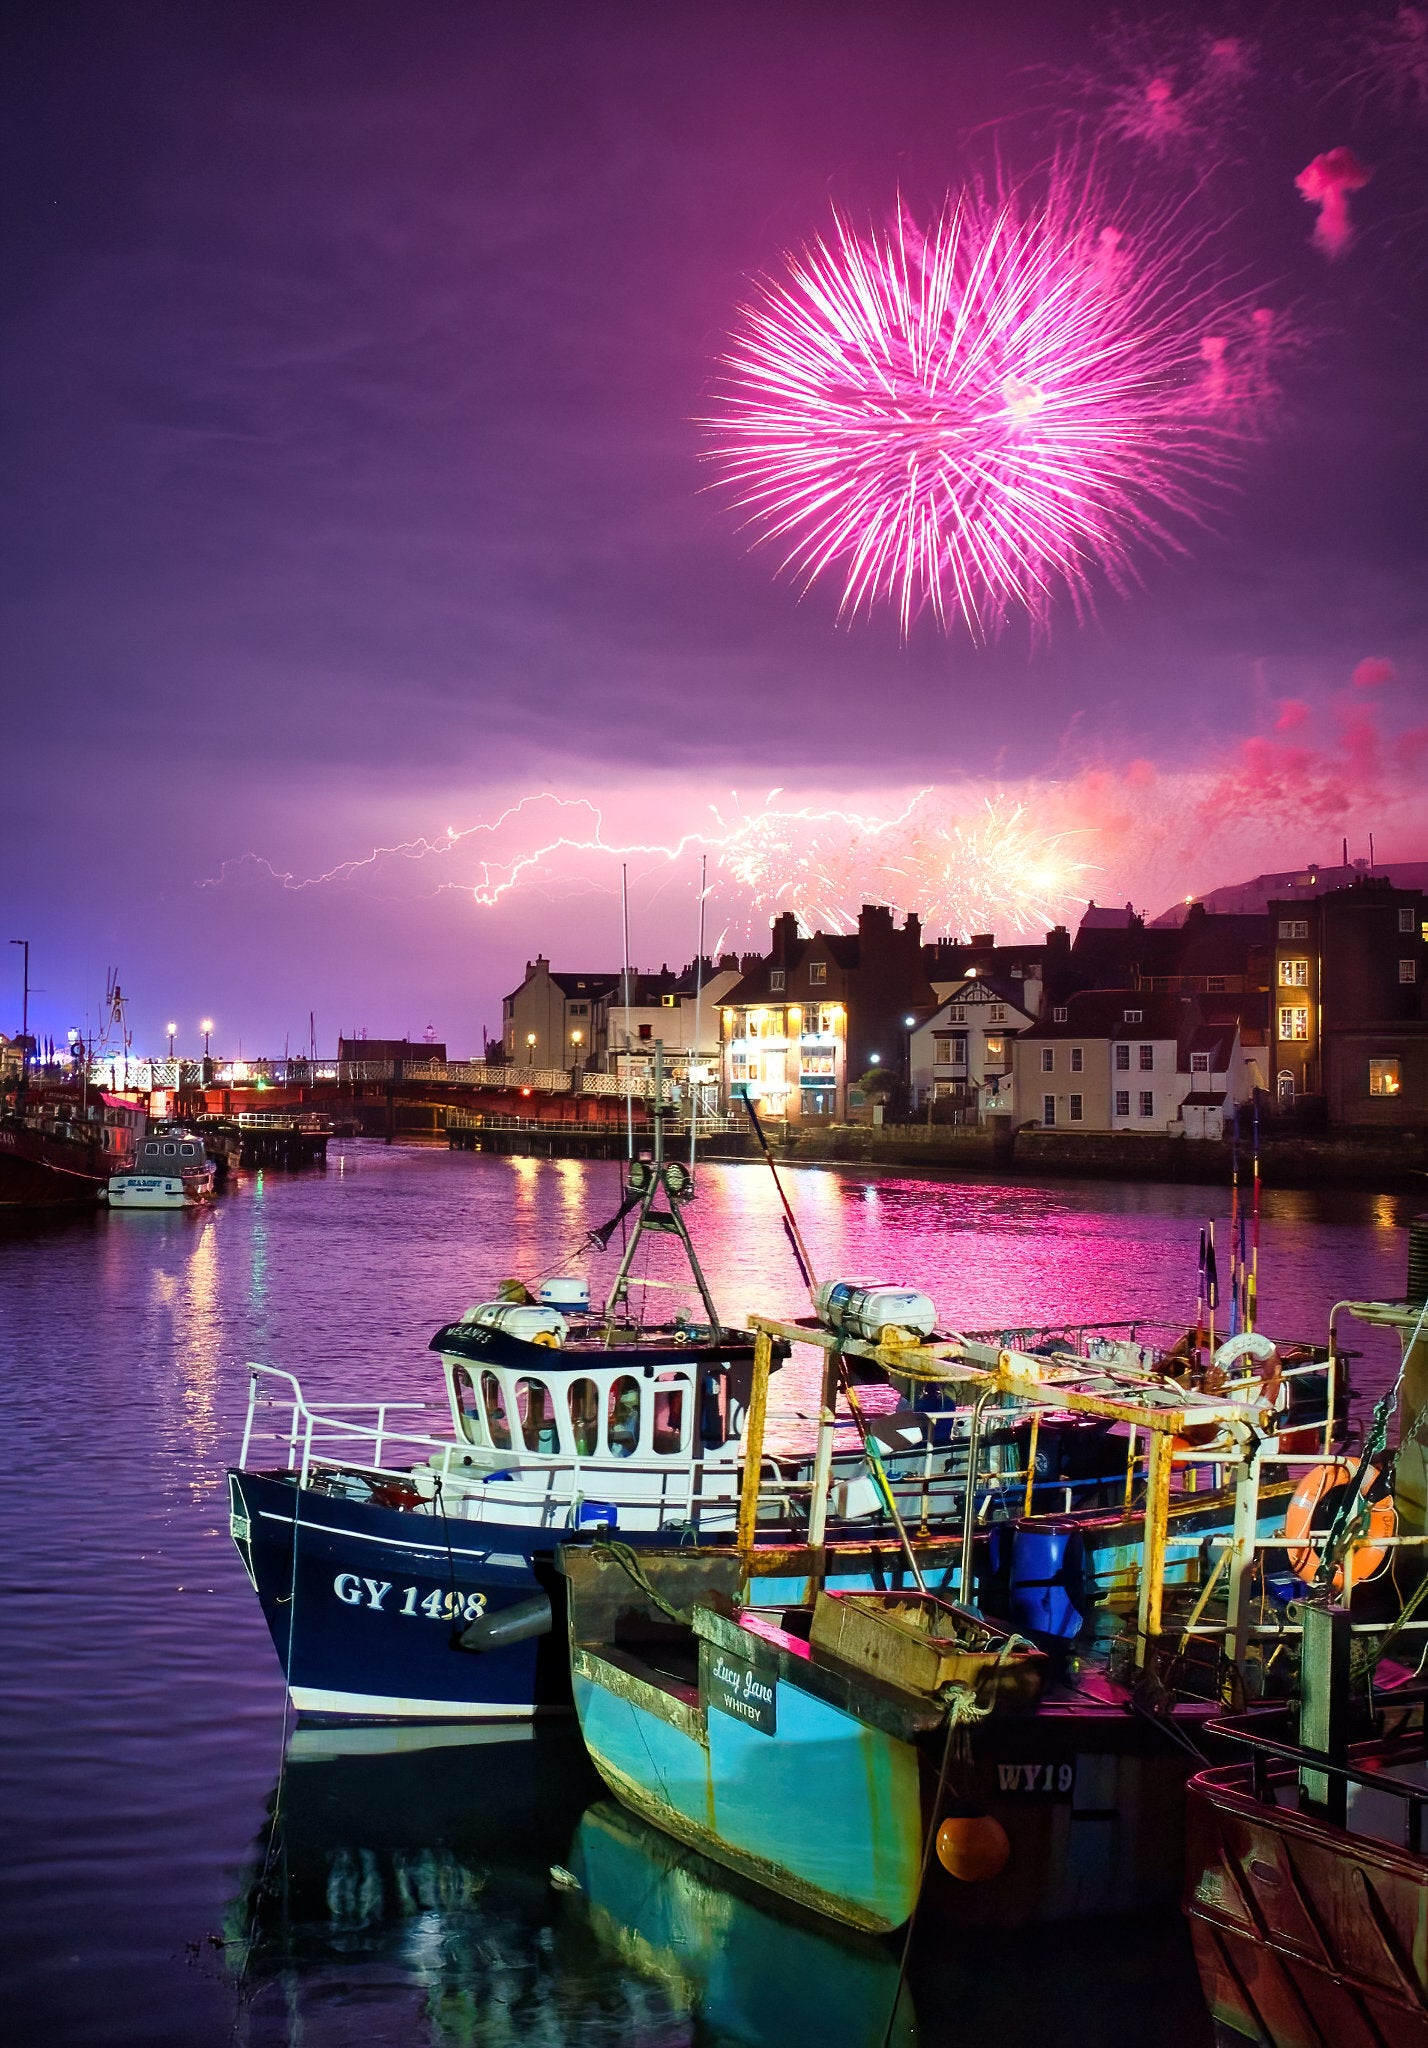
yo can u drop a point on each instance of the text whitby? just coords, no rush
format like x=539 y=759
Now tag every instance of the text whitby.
x=742 y=1691
x=380 y=1596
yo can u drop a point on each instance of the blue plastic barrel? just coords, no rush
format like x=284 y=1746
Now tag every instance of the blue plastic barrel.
x=1046 y=1583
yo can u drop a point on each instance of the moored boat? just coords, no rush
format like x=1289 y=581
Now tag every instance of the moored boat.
x=170 y=1169
x=59 y=1149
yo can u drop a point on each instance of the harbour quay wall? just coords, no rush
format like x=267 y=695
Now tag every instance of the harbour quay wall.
x=1387 y=1161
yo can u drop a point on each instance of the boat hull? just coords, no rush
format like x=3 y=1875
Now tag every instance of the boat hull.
x=1305 y=1935
x=157 y=1191
x=42 y=1172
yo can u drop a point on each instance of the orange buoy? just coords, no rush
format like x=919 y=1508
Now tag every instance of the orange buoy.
x=973 y=1847
x=1303 y=1510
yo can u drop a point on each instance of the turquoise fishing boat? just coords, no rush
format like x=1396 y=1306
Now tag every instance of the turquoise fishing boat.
x=868 y=1754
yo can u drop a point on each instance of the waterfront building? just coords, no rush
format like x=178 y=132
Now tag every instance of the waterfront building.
x=1023 y=967
x=806 y=1022
x=558 y=1020
x=1347 y=1016
x=961 y=1057
x=1123 y=1060
x=667 y=1012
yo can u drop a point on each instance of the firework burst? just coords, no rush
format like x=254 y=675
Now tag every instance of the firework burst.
x=984 y=417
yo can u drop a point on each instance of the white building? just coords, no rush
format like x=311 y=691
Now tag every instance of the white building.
x=963 y=1052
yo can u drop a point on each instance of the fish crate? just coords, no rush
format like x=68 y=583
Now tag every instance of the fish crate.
x=919 y=1644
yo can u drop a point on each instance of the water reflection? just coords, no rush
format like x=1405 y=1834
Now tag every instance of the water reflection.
x=418 y=1861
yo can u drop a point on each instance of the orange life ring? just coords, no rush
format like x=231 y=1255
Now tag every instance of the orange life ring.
x=1321 y=1480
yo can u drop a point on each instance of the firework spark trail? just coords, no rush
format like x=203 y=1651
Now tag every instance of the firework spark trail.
x=984 y=416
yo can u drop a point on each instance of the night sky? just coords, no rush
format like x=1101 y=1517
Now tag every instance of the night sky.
x=353 y=363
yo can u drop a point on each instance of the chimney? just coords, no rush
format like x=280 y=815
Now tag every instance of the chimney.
x=785 y=937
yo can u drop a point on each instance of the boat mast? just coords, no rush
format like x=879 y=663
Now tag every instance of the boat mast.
x=629 y=1058
x=693 y=1054
x=647 y=1183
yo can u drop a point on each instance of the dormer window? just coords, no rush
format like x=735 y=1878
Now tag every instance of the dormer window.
x=1134 y=1016
x=817 y=973
x=776 y=978
x=1199 y=1063
x=1058 y=1015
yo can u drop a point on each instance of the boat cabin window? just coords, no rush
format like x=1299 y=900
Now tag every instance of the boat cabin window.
x=668 y=1421
x=538 y=1426
x=623 y=1426
x=187 y=1151
x=468 y=1406
x=493 y=1400
x=169 y=1151
x=584 y=1400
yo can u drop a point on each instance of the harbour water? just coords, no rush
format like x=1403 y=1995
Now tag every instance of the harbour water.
x=403 y=1893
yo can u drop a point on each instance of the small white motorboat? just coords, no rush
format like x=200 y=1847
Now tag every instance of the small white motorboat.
x=170 y=1170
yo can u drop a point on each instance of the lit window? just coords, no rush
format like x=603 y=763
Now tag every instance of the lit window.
x=1294 y=928
x=1078 y=1060
x=1408 y=970
x=1048 y=1109
x=995 y=1053
x=1076 y=1102
x=1199 y=1063
x=1122 y=1102
x=1147 y=1102
x=1122 y=1059
x=1384 y=1077
x=1048 y=1059
x=1405 y=920
x=1147 y=1059
x=1293 y=1023
x=1058 y=1015
x=818 y=972
x=776 y=978
x=1134 y=1017
x=1294 y=974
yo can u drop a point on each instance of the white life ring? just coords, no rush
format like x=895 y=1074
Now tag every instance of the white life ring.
x=1266 y=1377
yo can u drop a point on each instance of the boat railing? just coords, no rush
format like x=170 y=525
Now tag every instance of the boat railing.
x=308 y=1429
x=1265 y=1781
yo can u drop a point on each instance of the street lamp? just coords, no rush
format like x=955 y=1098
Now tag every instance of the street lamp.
x=172 y=1030
x=530 y=1048
x=577 y=1039
x=205 y=1025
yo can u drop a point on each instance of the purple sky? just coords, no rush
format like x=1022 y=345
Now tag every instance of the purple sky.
x=352 y=355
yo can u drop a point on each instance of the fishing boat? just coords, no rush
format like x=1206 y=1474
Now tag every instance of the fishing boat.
x=170 y=1169
x=60 y=1146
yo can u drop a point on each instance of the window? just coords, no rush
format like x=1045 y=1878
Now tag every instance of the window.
x=187 y=1151
x=468 y=1405
x=1122 y=1102
x=494 y=1402
x=1135 y=1016
x=583 y=1401
x=668 y=1426
x=624 y=1413
x=1407 y=971
x=580 y=1009
x=957 y=1014
x=1076 y=1105
x=1078 y=1059
x=537 y=1421
x=1292 y=928
x=1294 y=974
x=1199 y=1063
x=1405 y=920
x=1147 y=1102
x=1122 y=1059
x=1048 y=1109
x=169 y=1151
x=1384 y=1076
x=670 y=1002
x=1058 y=1015
x=776 y=978
x=646 y=1031
x=995 y=1051
x=1048 y=1059
x=1147 y=1058
x=942 y=1048
x=1214 y=984
x=1284 y=1085
x=996 y=1013
x=1293 y=1023
x=817 y=972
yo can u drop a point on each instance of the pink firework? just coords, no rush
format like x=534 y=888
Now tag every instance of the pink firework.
x=985 y=417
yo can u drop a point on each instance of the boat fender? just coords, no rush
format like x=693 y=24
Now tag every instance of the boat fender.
x=1304 y=1511
x=973 y=1847
x=515 y=1624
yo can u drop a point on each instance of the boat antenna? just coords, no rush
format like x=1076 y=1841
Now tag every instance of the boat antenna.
x=790 y=1221
x=629 y=1061
x=693 y=1057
